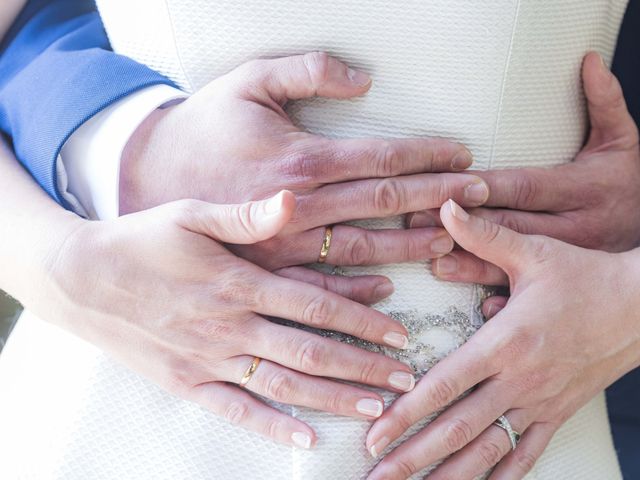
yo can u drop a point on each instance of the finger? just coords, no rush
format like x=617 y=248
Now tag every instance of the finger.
x=484 y=452
x=325 y=357
x=531 y=223
x=293 y=388
x=382 y=198
x=444 y=383
x=245 y=223
x=318 y=308
x=353 y=159
x=358 y=246
x=535 y=189
x=487 y=240
x=240 y=408
x=460 y=266
x=349 y=246
x=424 y=219
x=521 y=461
x=492 y=306
x=366 y=289
x=456 y=427
x=608 y=113
x=302 y=76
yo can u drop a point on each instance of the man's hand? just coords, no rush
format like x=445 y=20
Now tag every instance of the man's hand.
x=157 y=291
x=574 y=202
x=233 y=142
x=570 y=329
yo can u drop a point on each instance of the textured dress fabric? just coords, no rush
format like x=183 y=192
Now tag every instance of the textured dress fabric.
x=502 y=77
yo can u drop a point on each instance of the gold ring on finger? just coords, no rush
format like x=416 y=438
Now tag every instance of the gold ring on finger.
x=250 y=371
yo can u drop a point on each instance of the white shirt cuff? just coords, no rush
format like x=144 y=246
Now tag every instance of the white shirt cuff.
x=88 y=167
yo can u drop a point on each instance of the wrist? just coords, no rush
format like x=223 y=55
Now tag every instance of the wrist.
x=143 y=175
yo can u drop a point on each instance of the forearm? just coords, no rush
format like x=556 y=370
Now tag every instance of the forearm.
x=32 y=230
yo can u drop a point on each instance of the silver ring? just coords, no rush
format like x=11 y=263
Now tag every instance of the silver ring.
x=514 y=437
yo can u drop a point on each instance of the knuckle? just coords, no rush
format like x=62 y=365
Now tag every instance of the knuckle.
x=236 y=412
x=360 y=249
x=457 y=434
x=272 y=428
x=404 y=466
x=317 y=312
x=368 y=372
x=309 y=356
x=302 y=164
x=490 y=231
x=333 y=402
x=389 y=159
x=490 y=454
x=403 y=419
x=441 y=393
x=388 y=197
x=527 y=190
x=280 y=386
x=317 y=67
x=525 y=460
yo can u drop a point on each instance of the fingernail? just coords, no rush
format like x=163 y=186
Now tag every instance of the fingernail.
x=369 y=407
x=301 y=440
x=396 y=340
x=442 y=245
x=446 y=266
x=604 y=64
x=402 y=381
x=383 y=290
x=458 y=212
x=493 y=310
x=378 y=447
x=274 y=204
x=421 y=220
x=462 y=160
x=358 y=78
x=477 y=192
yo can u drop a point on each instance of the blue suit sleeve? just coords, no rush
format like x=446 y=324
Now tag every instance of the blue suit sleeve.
x=56 y=72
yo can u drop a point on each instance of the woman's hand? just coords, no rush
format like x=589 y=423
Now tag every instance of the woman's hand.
x=157 y=291
x=233 y=142
x=570 y=328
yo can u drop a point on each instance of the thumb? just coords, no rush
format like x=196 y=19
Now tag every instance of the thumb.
x=304 y=76
x=486 y=240
x=610 y=119
x=245 y=223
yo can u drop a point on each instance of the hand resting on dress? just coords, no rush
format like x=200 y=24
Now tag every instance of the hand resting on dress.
x=232 y=142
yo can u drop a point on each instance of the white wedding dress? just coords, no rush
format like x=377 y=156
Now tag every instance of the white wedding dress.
x=501 y=76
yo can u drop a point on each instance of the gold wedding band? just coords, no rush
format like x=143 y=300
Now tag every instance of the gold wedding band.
x=326 y=245
x=250 y=371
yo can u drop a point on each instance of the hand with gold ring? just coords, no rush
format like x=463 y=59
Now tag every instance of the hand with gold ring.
x=570 y=328
x=166 y=298
x=244 y=146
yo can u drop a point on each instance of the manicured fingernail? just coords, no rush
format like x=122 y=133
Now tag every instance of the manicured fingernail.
x=369 y=407
x=378 y=447
x=421 y=220
x=442 y=245
x=383 y=290
x=402 y=381
x=301 y=440
x=396 y=340
x=458 y=212
x=274 y=204
x=358 y=78
x=462 y=160
x=477 y=192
